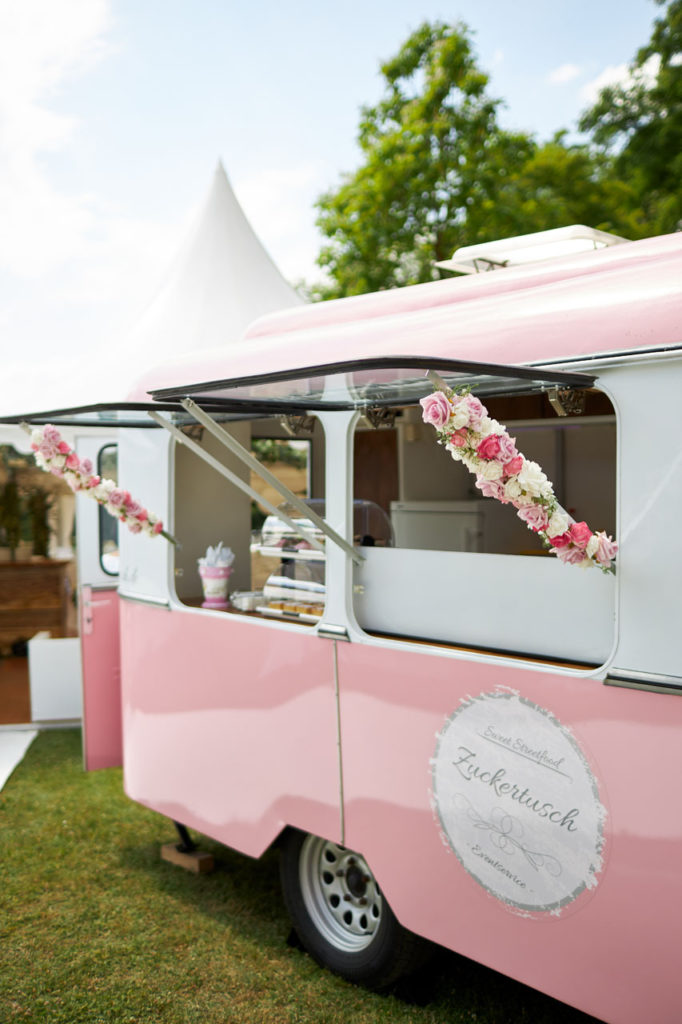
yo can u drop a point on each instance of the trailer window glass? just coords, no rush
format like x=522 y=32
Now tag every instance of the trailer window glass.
x=107 y=468
x=464 y=568
x=275 y=573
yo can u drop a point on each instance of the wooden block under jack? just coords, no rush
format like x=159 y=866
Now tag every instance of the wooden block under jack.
x=198 y=861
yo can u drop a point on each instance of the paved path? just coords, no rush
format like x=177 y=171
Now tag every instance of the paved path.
x=14 y=742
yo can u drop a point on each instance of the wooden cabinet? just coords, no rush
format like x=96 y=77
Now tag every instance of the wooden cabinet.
x=33 y=596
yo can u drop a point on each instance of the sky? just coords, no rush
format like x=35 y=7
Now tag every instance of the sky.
x=114 y=113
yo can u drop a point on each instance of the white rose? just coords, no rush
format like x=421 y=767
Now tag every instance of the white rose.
x=532 y=479
x=490 y=426
x=490 y=470
x=557 y=525
x=512 y=489
x=103 y=489
x=459 y=418
x=592 y=545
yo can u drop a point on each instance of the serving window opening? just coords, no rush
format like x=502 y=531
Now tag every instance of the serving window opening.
x=464 y=569
x=278 y=570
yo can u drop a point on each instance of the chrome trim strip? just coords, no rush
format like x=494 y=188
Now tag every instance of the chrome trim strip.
x=647 y=677
x=329 y=631
x=653 y=682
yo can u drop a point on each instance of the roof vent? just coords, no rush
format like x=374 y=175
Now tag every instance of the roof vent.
x=523 y=249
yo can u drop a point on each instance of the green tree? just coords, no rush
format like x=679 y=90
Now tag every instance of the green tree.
x=39 y=503
x=434 y=156
x=640 y=123
x=10 y=515
x=439 y=172
x=560 y=184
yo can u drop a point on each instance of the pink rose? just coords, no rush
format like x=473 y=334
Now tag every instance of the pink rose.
x=51 y=434
x=580 y=534
x=492 y=489
x=72 y=461
x=459 y=438
x=63 y=448
x=475 y=409
x=94 y=481
x=135 y=527
x=117 y=497
x=606 y=550
x=158 y=527
x=86 y=467
x=570 y=555
x=562 y=540
x=435 y=409
x=534 y=516
x=489 y=448
x=514 y=466
x=48 y=450
x=133 y=508
x=508 y=450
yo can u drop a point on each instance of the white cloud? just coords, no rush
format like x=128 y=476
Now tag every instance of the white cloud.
x=613 y=75
x=620 y=75
x=42 y=45
x=75 y=272
x=564 y=73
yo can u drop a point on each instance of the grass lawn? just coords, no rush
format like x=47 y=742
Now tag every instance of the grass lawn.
x=96 y=928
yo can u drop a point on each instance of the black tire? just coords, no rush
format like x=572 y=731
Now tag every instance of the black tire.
x=340 y=916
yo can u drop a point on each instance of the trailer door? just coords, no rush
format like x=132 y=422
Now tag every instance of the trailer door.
x=97 y=546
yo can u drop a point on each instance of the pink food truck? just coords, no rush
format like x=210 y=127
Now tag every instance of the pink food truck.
x=436 y=682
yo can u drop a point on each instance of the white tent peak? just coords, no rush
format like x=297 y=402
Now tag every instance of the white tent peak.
x=221 y=280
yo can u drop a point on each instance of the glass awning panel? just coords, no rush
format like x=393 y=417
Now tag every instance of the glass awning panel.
x=113 y=415
x=369 y=383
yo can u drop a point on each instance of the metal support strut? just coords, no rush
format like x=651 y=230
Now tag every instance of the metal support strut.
x=186 y=844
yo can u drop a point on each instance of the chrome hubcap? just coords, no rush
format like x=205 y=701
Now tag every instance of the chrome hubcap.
x=340 y=894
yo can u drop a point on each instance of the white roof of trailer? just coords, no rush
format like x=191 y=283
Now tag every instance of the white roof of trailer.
x=617 y=300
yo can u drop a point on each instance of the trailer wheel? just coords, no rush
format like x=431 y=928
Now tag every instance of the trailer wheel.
x=340 y=915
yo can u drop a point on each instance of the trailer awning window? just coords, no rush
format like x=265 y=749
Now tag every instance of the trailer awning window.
x=371 y=383
x=360 y=384
x=109 y=414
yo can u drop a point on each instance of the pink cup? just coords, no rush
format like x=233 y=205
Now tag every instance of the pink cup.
x=215 y=580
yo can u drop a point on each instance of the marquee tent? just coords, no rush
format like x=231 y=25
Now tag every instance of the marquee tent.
x=220 y=282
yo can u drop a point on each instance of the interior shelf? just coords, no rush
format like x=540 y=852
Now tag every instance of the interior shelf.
x=302 y=555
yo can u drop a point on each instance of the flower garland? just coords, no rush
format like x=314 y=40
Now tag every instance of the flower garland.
x=54 y=455
x=502 y=472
